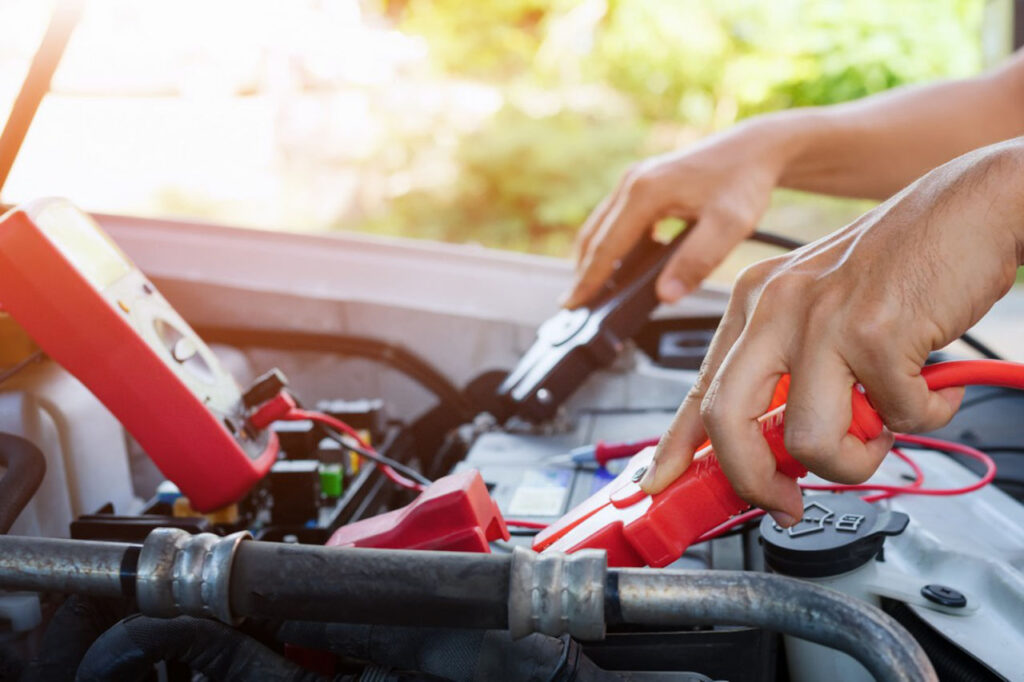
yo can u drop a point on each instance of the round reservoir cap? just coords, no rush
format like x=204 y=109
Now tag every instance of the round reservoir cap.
x=837 y=534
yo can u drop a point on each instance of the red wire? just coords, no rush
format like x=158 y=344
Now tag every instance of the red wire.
x=338 y=425
x=522 y=523
x=885 y=491
x=941 y=375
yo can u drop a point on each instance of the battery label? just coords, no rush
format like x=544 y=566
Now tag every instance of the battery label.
x=541 y=492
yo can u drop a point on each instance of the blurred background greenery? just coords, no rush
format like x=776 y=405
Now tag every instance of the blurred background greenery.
x=588 y=86
x=498 y=122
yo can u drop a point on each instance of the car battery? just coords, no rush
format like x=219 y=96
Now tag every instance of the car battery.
x=530 y=480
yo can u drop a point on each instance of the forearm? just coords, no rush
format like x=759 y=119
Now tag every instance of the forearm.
x=875 y=146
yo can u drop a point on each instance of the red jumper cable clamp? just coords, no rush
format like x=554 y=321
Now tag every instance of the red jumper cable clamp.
x=454 y=513
x=637 y=529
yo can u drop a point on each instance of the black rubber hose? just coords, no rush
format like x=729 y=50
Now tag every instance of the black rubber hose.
x=129 y=650
x=332 y=584
x=451 y=653
x=26 y=467
x=74 y=627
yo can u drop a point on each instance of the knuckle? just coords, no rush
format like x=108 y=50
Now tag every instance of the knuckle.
x=733 y=219
x=747 y=487
x=752 y=277
x=693 y=268
x=711 y=413
x=810 y=446
x=853 y=474
x=903 y=421
x=785 y=286
x=871 y=333
x=642 y=185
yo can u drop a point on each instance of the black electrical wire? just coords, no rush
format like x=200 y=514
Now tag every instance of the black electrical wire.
x=772 y=239
x=980 y=347
x=790 y=244
x=392 y=355
x=349 y=444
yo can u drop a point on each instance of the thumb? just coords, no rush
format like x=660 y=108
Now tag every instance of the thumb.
x=710 y=241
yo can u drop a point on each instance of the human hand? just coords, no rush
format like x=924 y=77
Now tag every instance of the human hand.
x=721 y=186
x=866 y=304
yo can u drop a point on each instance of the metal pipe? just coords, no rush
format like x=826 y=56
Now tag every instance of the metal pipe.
x=551 y=593
x=773 y=602
x=102 y=569
x=396 y=587
x=26 y=467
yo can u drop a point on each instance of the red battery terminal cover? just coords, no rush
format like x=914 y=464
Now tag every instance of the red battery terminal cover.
x=454 y=513
x=637 y=529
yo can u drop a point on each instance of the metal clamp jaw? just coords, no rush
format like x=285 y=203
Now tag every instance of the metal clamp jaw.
x=573 y=343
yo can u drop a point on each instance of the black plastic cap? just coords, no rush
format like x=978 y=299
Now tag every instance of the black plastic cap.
x=264 y=388
x=837 y=534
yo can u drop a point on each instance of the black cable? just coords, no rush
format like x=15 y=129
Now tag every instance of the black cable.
x=772 y=239
x=790 y=244
x=977 y=345
x=394 y=356
x=350 y=444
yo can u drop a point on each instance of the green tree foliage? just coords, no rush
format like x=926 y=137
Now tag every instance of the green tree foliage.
x=655 y=72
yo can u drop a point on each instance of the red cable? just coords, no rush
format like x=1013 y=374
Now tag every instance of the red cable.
x=338 y=425
x=521 y=523
x=938 y=376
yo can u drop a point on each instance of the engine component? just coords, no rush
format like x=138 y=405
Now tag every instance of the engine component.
x=228 y=577
x=77 y=623
x=454 y=514
x=87 y=461
x=638 y=529
x=362 y=415
x=837 y=537
x=774 y=602
x=295 y=487
x=25 y=466
x=573 y=343
x=90 y=309
x=838 y=534
x=454 y=654
x=129 y=650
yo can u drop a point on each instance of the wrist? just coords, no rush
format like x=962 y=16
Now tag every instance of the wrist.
x=1011 y=161
x=796 y=137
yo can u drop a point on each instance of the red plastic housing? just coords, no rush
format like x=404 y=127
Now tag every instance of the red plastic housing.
x=91 y=310
x=637 y=529
x=454 y=513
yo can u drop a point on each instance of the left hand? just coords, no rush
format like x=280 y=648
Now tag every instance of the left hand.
x=866 y=304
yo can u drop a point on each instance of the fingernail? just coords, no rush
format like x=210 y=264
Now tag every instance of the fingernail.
x=782 y=518
x=648 y=479
x=672 y=290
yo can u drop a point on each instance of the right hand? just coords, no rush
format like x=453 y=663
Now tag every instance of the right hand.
x=721 y=187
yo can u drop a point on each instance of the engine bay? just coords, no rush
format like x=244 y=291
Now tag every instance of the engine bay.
x=390 y=535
